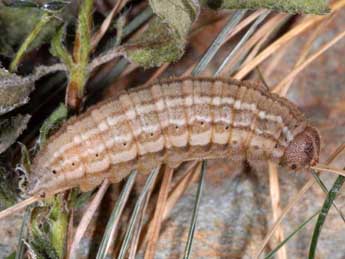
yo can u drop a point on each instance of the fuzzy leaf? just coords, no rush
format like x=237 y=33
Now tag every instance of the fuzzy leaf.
x=289 y=6
x=10 y=129
x=165 y=39
x=14 y=91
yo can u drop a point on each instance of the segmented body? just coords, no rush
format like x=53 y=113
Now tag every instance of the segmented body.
x=168 y=122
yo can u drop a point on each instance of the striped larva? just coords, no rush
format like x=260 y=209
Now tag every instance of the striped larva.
x=169 y=122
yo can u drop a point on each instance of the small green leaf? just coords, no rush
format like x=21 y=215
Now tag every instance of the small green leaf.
x=58 y=49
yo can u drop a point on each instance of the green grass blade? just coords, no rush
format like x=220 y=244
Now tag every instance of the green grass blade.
x=137 y=208
x=324 y=188
x=245 y=37
x=323 y=214
x=212 y=50
x=275 y=250
x=115 y=216
x=192 y=228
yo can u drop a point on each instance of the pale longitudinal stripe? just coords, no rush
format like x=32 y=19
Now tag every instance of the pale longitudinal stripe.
x=169 y=122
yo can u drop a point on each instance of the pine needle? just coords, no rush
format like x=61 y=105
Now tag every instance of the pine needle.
x=282 y=41
x=245 y=37
x=134 y=217
x=108 y=236
x=300 y=227
x=188 y=249
x=153 y=233
x=294 y=200
x=87 y=217
x=217 y=43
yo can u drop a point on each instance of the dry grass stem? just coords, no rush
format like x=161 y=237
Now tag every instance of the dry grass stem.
x=276 y=209
x=329 y=169
x=155 y=226
x=282 y=87
x=18 y=207
x=282 y=41
x=106 y=23
x=306 y=48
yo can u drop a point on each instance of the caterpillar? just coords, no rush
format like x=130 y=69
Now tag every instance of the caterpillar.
x=169 y=122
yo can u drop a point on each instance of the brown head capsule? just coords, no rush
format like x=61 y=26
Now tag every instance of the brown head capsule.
x=303 y=151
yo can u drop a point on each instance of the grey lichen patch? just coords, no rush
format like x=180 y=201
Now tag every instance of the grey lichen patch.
x=165 y=39
x=10 y=129
x=289 y=6
x=14 y=91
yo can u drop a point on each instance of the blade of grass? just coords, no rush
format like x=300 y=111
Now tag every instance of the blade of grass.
x=245 y=37
x=217 y=43
x=192 y=228
x=300 y=227
x=85 y=221
x=134 y=217
x=332 y=194
x=114 y=219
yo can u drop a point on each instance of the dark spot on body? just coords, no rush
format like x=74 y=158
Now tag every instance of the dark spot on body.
x=54 y=171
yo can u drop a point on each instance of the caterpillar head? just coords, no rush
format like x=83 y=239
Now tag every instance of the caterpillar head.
x=303 y=151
